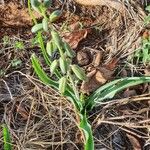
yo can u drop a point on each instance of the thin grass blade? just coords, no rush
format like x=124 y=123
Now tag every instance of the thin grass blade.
x=6 y=138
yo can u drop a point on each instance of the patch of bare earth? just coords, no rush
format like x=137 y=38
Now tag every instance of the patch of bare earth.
x=38 y=118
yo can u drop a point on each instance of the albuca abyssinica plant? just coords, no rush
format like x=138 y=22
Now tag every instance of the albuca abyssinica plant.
x=64 y=75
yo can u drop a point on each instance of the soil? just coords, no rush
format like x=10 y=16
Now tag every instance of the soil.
x=103 y=39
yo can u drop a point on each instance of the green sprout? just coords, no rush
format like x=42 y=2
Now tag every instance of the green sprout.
x=147 y=18
x=6 y=138
x=16 y=62
x=64 y=75
x=6 y=40
x=19 y=45
x=143 y=53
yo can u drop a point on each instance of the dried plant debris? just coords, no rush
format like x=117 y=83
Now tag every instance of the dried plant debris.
x=36 y=115
x=97 y=73
x=12 y=15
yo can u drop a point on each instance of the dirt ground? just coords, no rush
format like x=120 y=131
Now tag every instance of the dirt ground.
x=104 y=41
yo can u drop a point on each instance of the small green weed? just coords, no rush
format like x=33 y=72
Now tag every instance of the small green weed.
x=142 y=55
x=6 y=40
x=16 y=62
x=19 y=45
x=15 y=43
x=6 y=138
x=147 y=19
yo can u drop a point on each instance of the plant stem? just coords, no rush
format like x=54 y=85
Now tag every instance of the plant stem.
x=74 y=86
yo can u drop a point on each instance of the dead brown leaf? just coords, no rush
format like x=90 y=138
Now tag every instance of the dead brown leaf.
x=146 y=34
x=100 y=77
x=134 y=142
x=111 y=65
x=83 y=58
x=96 y=79
x=22 y=112
x=106 y=72
x=74 y=26
x=98 y=58
x=74 y=37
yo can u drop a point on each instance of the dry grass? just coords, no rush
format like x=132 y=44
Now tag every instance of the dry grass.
x=118 y=34
x=38 y=118
x=130 y=115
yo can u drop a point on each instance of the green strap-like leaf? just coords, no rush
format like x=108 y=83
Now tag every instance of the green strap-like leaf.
x=45 y=54
x=6 y=138
x=110 y=89
x=69 y=93
x=86 y=127
x=41 y=42
x=41 y=74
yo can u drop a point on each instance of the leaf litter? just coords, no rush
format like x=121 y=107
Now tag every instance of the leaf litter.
x=104 y=47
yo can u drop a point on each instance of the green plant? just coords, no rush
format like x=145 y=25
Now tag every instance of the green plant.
x=16 y=62
x=6 y=138
x=65 y=76
x=6 y=40
x=19 y=45
x=2 y=72
x=147 y=18
x=143 y=53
